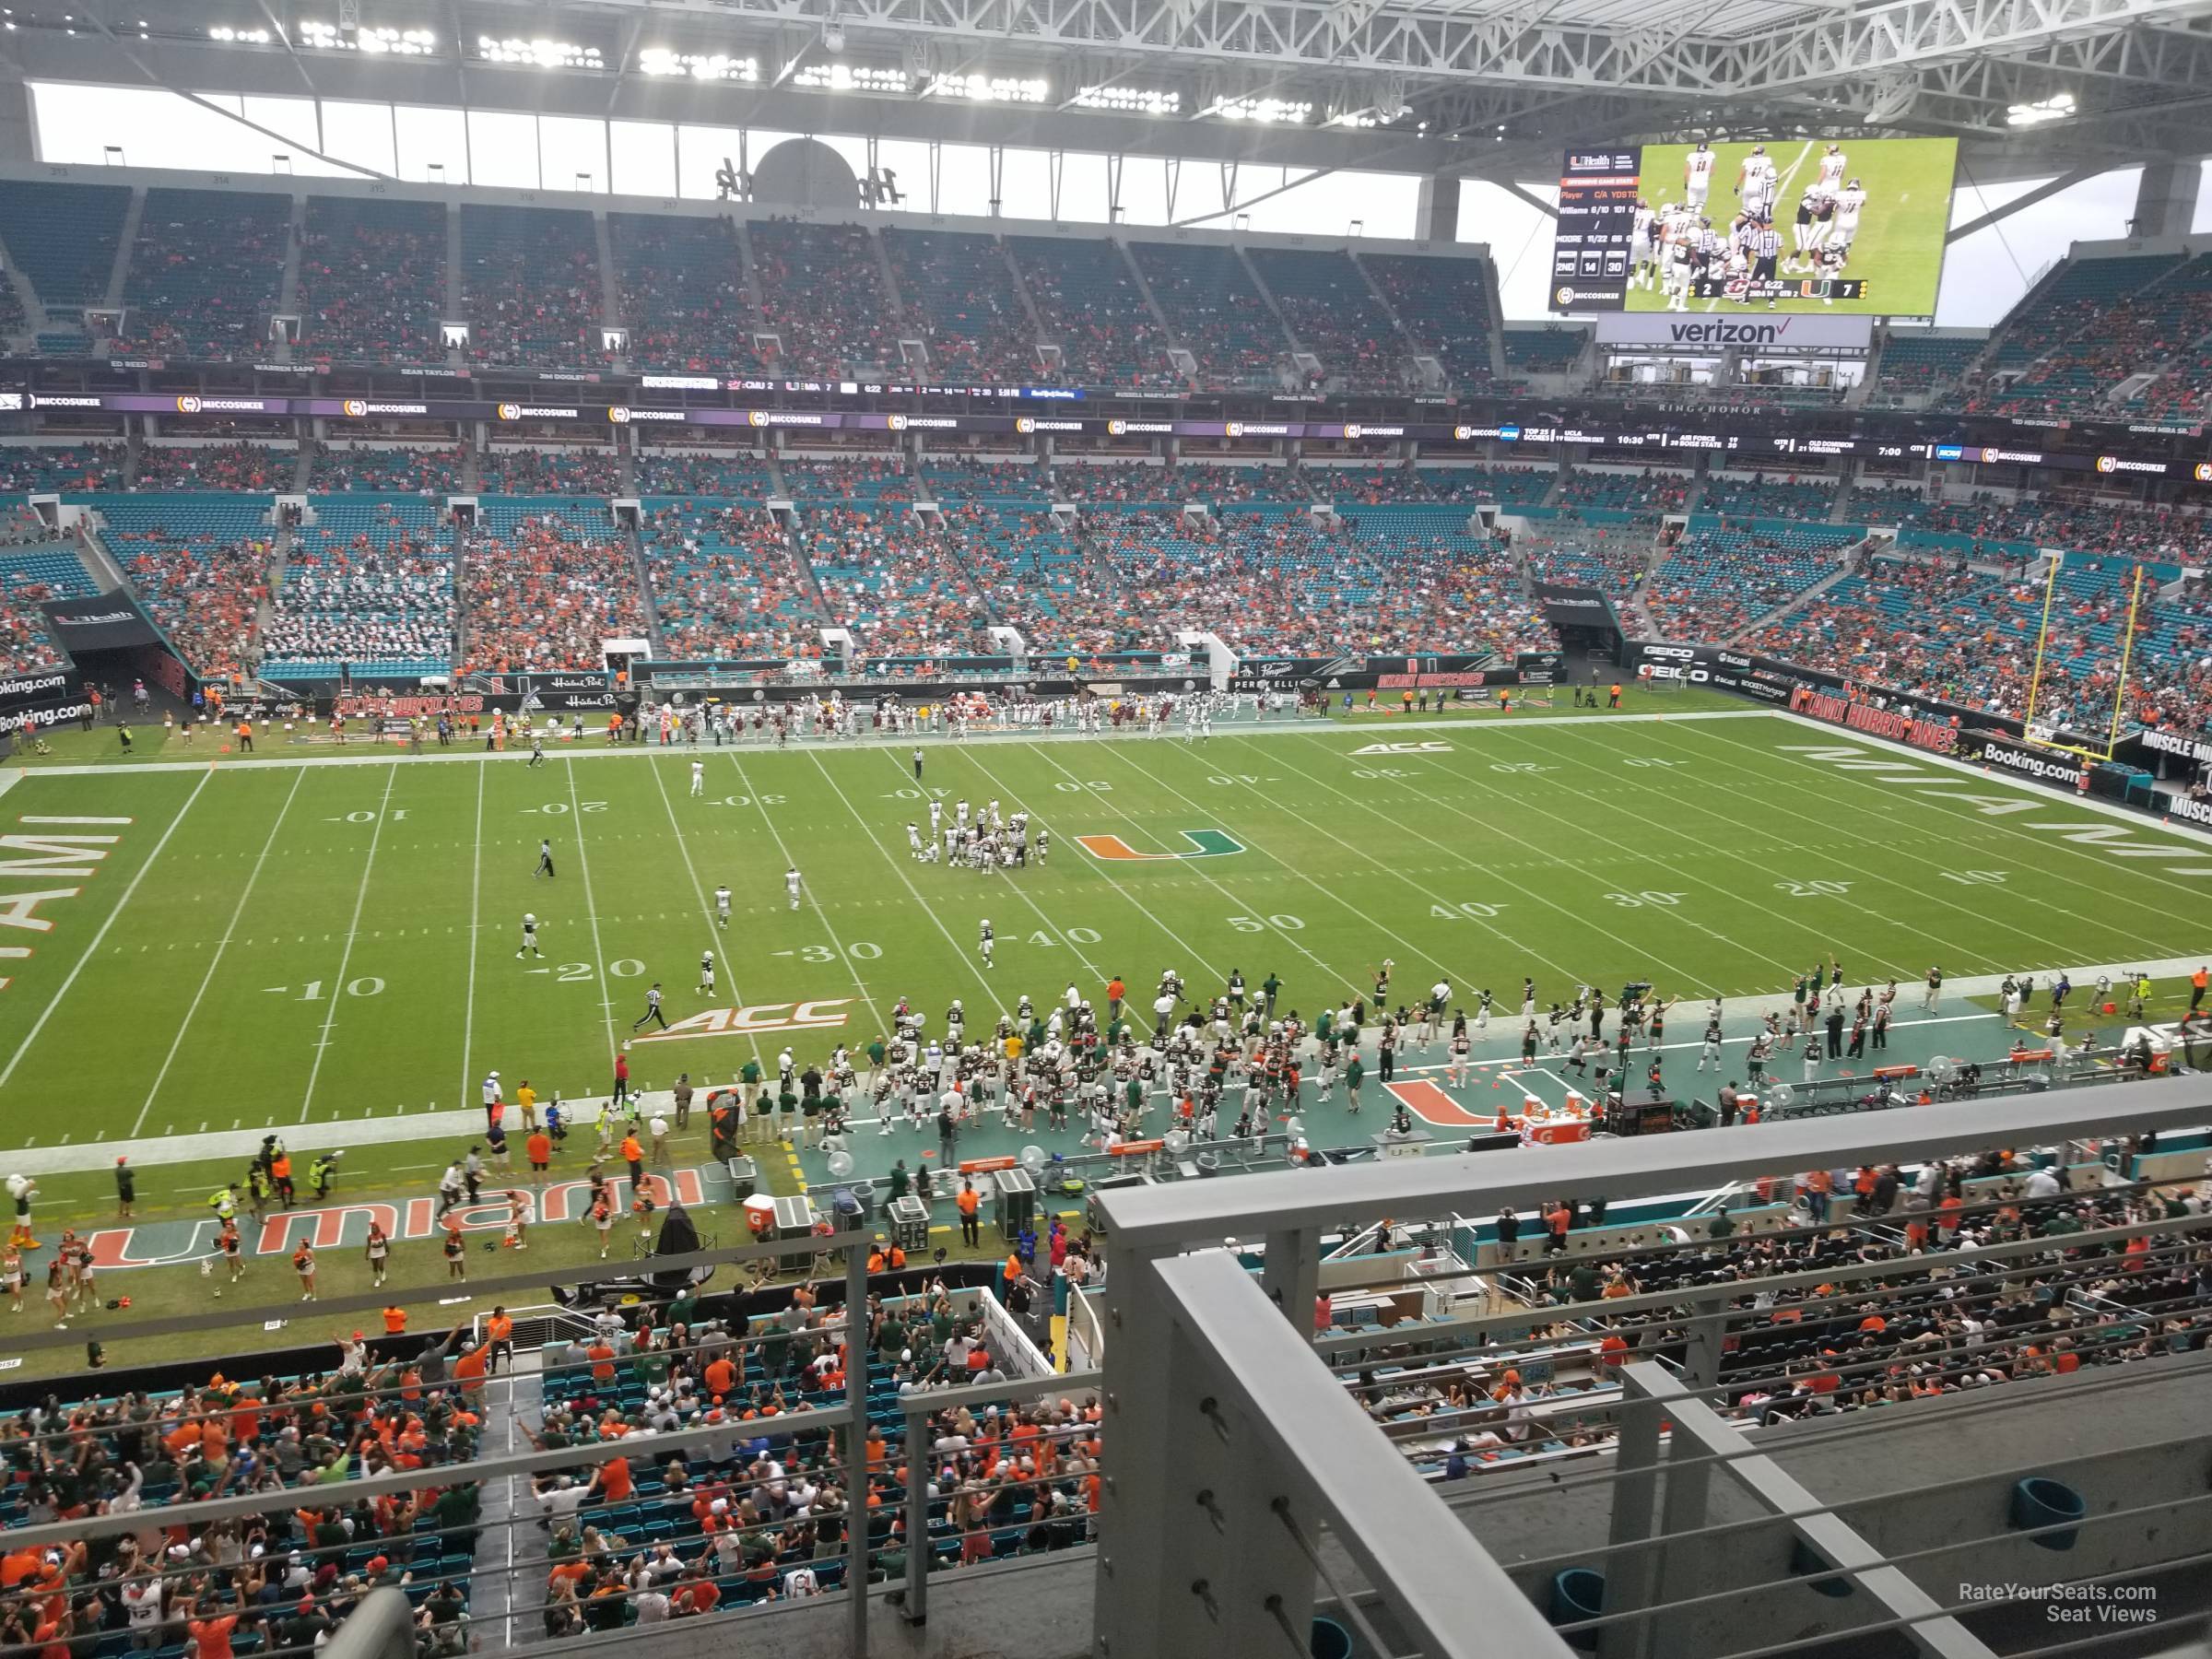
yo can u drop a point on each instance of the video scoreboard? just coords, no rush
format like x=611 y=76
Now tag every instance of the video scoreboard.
x=1858 y=225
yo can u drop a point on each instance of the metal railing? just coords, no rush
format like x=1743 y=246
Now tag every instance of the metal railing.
x=1230 y=1441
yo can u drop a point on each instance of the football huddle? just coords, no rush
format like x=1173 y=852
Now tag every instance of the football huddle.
x=1680 y=250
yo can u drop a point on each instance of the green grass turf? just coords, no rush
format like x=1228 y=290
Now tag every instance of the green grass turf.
x=1899 y=251
x=336 y=943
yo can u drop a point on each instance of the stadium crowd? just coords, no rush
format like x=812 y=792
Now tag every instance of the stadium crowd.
x=542 y=593
x=726 y=584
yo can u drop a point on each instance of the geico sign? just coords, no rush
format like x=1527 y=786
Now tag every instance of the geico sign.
x=1673 y=671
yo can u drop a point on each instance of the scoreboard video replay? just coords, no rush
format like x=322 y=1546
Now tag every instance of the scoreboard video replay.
x=1594 y=250
x=1801 y=224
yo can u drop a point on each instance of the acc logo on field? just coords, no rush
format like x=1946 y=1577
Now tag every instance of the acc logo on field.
x=619 y=415
x=897 y=423
x=2106 y=464
x=751 y=1022
x=1116 y=429
x=356 y=407
x=188 y=405
x=511 y=411
x=1023 y=423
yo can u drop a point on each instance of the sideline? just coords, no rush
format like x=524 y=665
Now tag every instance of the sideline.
x=1740 y=1014
x=373 y=754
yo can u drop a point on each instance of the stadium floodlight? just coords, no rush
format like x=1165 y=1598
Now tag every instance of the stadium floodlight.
x=987 y=88
x=850 y=78
x=698 y=66
x=538 y=53
x=2059 y=106
x=239 y=37
x=1294 y=111
x=1130 y=101
x=393 y=43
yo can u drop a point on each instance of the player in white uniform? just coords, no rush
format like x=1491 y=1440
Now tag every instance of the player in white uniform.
x=791 y=885
x=698 y=777
x=721 y=905
x=1831 y=169
x=1850 y=202
x=1754 y=182
x=529 y=936
x=706 y=973
x=913 y=840
x=1680 y=256
x=1697 y=176
x=1643 y=247
x=986 y=942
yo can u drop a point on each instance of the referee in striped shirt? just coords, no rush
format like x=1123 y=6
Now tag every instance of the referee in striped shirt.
x=1766 y=248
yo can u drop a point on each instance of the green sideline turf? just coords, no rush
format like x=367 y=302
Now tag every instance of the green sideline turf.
x=273 y=946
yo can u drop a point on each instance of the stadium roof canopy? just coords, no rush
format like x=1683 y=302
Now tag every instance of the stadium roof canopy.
x=1484 y=88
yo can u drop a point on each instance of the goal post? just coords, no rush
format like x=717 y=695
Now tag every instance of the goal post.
x=2048 y=733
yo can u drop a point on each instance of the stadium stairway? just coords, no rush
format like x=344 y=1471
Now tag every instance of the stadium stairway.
x=1166 y=331
x=610 y=292
x=287 y=292
x=34 y=309
x=1300 y=353
x=453 y=297
x=1798 y=603
x=125 y=239
x=891 y=278
x=631 y=540
x=752 y=273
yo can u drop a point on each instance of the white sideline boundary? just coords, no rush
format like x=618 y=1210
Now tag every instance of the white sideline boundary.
x=600 y=750
x=582 y=1112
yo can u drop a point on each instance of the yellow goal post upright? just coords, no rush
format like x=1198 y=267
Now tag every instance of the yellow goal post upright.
x=2048 y=734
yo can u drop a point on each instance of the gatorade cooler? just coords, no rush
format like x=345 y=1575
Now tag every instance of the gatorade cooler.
x=760 y=1216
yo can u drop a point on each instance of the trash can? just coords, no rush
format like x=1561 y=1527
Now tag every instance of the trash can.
x=2039 y=1502
x=1577 y=1594
x=1014 y=1204
x=846 y=1210
x=910 y=1224
x=744 y=1179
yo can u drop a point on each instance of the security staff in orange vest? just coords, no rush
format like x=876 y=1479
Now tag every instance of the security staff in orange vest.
x=1615 y=703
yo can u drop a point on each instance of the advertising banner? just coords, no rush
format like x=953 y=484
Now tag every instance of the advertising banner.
x=107 y=623
x=1674 y=332
x=39 y=698
x=1569 y=605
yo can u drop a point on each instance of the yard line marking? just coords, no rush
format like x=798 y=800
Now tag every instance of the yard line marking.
x=1429 y=894
x=337 y=987
x=1667 y=825
x=583 y=863
x=805 y=886
x=32 y=1035
x=991 y=997
x=1298 y=946
x=476 y=892
x=1633 y=951
x=1921 y=894
x=2031 y=798
x=706 y=909
x=1020 y=891
x=215 y=961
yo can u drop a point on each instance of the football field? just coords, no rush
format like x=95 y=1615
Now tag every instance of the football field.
x=196 y=948
x=1899 y=252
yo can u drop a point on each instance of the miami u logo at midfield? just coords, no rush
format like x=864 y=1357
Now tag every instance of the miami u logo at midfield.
x=1205 y=843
